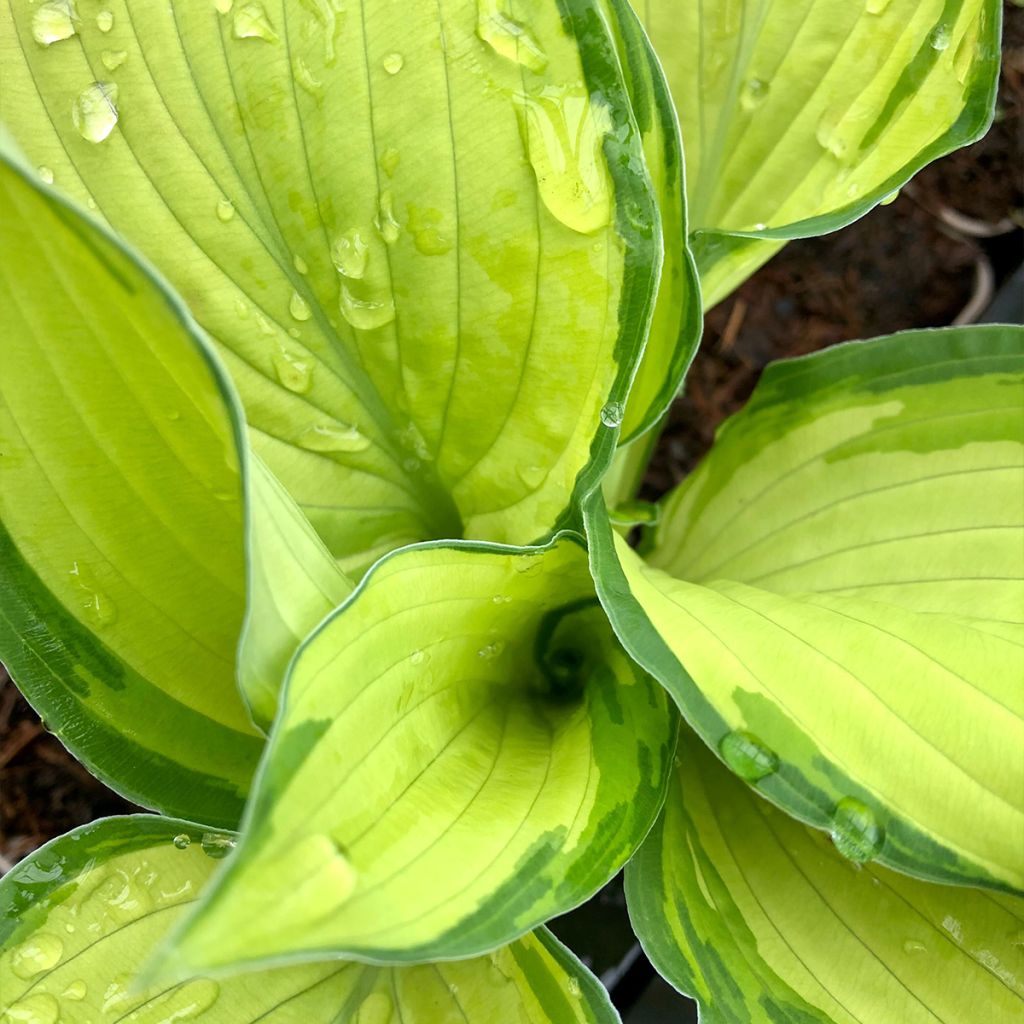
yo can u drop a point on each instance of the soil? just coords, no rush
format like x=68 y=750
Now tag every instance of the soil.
x=952 y=238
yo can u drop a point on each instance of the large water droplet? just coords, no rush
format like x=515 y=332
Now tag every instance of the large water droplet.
x=40 y=953
x=45 y=173
x=890 y=198
x=393 y=63
x=53 y=22
x=939 y=39
x=350 y=254
x=612 y=413
x=217 y=845
x=105 y=20
x=365 y=314
x=753 y=93
x=389 y=161
x=747 y=756
x=306 y=79
x=294 y=372
x=507 y=37
x=113 y=59
x=250 y=21
x=225 y=210
x=564 y=134
x=425 y=225
x=333 y=437
x=40 y=1008
x=385 y=221
x=94 y=112
x=76 y=991
x=855 y=830
x=298 y=307
x=182 y=841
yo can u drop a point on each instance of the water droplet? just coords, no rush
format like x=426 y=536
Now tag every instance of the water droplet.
x=76 y=991
x=501 y=599
x=300 y=265
x=939 y=39
x=182 y=841
x=573 y=985
x=411 y=438
x=491 y=651
x=828 y=135
x=223 y=6
x=636 y=513
x=298 y=307
x=393 y=63
x=105 y=21
x=425 y=227
x=113 y=59
x=855 y=830
x=94 y=112
x=365 y=314
x=418 y=657
x=612 y=413
x=876 y=6
x=46 y=174
x=507 y=37
x=747 y=756
x=250 y=21
x=53 y=22
x=532 y=476
x=225 y=210
x=529 y=566
x=306 y=79
x=217 y=845
x=389 y=160
x=294 y=372
x=350 y=254
x=40 y=1008
x=40 y=953
x=564 y=135
x=954 y=927
x=385 y=221
x=95 y=603
x=337 y=437
x=912 y=946
x=185 y=1003
x=753 y=93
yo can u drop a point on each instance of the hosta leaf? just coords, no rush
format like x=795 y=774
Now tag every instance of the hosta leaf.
x=80 y=916
x=463 y=751
x=421 y=234
x=676 y=322
x=763 y=922
x=798 y=118
x=121 y=547
x=838 y=592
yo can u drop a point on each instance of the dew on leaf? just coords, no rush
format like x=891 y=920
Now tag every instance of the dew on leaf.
x=939 y=38
x=217 y=845
x=113 y=59
x=105 y=20
x=612 y=413
x=393 y=63
x=365 y=314
x=333 y=437
x=385 y=221
x=250 y=21
x=45 y=173
x=298 y=307
x=294 y=372
x=305 y=78
x=225 y=210
x=182 y=841
x=76 y=991
x=753 y=93
x=491 y=651
x=350 y=254
x=508 y=37
x=39 y=1008
x=573 y=985
x=747 y=756
x=40 y=953
x=300 y=265
x=389 y=161
x=855 y=830
x=876 y=6
x=912 y=946
x=54 y=21
x=94 y=112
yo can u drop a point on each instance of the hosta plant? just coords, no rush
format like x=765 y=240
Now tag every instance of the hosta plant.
x=323 y=322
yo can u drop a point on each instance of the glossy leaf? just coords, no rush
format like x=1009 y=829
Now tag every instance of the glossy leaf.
x=422 y=236
x=677 y=321
x=463 y=752
x=799 y=118
x=763 y=922
x=841 y=583
x=121 y=548
x=80 y=916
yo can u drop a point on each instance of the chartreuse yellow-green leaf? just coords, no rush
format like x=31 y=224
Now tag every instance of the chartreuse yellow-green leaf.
x=763 y=922
x=463 y=751
x=122 y=569
x=800 y=117
x=422 y=236
x=676 y=321
x=79 y=917
x=835 y=598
